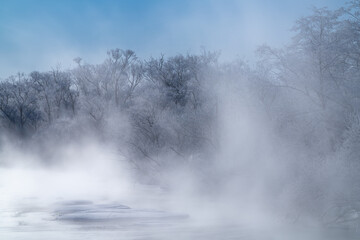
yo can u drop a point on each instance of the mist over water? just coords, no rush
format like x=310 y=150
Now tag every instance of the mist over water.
x=188 y=146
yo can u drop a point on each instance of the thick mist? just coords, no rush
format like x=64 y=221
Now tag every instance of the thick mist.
x=189 y=144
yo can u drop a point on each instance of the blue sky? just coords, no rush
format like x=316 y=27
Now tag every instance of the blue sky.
x=43 y=34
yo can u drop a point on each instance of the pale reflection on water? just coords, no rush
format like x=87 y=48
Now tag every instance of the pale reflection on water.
x=83 y=219
x=88 y=220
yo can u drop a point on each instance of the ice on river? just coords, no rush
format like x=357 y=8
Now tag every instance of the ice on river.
x=84 y=219
x=28 y=211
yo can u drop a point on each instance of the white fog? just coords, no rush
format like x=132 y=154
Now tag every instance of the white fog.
x=191 y=145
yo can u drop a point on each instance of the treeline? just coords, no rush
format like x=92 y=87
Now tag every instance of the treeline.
x=152 y=107
x=307 y=93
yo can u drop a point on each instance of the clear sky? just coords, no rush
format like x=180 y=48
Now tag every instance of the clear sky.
x=41 y=34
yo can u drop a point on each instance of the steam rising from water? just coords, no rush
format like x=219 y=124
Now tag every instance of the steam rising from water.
x=231 y=189
x=90 y=171
x=242 y=185
x=173 y=144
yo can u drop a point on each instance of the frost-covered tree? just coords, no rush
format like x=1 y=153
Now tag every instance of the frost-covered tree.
x=19 y=104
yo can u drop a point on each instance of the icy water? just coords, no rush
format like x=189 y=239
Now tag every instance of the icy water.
x=30 y=208
x=82 y=219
